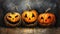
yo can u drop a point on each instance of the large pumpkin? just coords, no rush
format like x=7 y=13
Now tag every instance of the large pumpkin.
x=12 y=19
x=46 y=19
x=29 y=16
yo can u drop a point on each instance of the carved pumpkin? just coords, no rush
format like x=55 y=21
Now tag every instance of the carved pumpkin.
x=46 y=19
x=12 y=18
x=29 y=16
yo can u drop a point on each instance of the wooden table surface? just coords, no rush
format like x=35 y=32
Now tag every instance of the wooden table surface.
x=29 y=30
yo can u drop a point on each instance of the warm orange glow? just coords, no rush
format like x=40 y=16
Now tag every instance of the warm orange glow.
x=29 y=16
x=46 y=19
x=13 y=17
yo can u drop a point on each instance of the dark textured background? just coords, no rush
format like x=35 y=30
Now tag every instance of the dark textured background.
x=39 y=5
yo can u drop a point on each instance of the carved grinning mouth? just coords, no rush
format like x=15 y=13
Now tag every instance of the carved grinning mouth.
x=45 y=23
x=12 y=22
x=29 y=22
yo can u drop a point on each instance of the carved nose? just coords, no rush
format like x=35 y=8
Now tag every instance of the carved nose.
x=45 y=20
x=13 y=18
x=29 y=19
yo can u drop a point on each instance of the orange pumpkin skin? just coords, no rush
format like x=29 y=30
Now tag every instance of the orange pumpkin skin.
x=46 y=19
x=12 y=17
x=29 y=16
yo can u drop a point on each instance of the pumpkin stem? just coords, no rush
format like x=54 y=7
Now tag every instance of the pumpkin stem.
x=28 y=4
x=48 y=9
x=16 y=8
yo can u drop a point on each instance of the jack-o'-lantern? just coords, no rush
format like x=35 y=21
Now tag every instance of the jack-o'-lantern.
x=29 y=16
x=12 y=19
x=46 y=19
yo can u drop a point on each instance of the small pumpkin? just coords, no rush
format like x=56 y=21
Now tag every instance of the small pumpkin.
x=29 y=16
x=12 y=19
x=46 y=19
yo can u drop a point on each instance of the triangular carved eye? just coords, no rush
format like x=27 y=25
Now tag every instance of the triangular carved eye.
x=16 y=16
x=49 y=17
x=33 y=15
x=25 y=15
x=42 y=18
x=9 y=16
